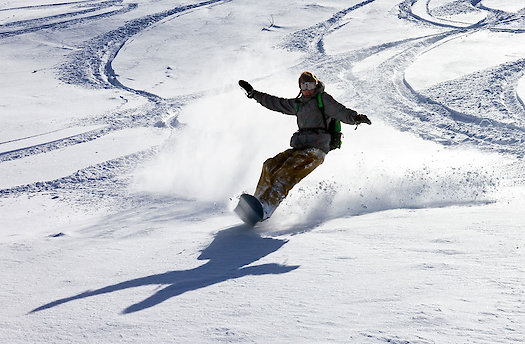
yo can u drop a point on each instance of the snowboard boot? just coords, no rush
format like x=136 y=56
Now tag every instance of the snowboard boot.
x=249 y=210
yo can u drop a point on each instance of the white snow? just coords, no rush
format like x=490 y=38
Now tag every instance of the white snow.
x=505 y=5
x=471 y=53
x=125 y=142
x=63 y=162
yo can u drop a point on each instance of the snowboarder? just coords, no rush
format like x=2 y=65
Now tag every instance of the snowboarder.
x=316 y=112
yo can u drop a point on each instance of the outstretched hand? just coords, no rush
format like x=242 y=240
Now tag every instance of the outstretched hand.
x=362 y=119
x=247 y=87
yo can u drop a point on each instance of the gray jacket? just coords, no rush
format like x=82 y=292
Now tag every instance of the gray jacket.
x=309 y=116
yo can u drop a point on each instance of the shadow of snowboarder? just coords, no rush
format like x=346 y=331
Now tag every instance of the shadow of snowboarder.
x=230 y=251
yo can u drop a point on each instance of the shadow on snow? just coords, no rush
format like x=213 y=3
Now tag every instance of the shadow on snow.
x=228 y=254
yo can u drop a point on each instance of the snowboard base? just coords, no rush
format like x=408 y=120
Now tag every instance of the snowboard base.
x=249 y=210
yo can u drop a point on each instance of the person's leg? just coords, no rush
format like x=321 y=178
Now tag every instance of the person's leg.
x=268 y=172
x=298 y=165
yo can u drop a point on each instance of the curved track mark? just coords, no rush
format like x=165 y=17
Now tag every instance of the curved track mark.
x=71 y=19
x=91 y=65
x=498 y=125
x=311 y=39
x=52 y=145
x=46 y=5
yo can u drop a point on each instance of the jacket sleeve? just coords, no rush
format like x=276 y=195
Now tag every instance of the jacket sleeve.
x=286 y=106
x=336 y=110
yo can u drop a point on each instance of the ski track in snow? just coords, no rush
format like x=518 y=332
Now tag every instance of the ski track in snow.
x=490 y=116
x=451 y=113
x=90 y=66
x=80 y=12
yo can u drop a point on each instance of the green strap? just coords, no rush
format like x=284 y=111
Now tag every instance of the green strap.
x=321 y=107
x=320 y=101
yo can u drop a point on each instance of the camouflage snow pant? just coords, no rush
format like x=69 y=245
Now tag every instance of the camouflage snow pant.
x=281 y=173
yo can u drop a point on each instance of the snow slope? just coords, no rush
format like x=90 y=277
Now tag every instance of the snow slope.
x=125 y=140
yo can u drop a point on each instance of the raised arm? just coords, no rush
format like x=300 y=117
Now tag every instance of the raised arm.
x=283 y=105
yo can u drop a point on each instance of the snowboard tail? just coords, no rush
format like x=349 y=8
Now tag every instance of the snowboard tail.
x=249 y=210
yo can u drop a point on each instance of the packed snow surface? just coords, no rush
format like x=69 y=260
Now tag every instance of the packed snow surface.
x=125 y=142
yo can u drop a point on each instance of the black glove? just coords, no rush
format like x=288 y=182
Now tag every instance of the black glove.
x=247 y=87
x=362 y=119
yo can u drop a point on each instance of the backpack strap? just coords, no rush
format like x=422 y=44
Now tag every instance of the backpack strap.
x=320 y=105
x=320 y=101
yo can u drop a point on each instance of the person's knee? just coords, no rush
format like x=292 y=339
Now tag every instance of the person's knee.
x=267 y=165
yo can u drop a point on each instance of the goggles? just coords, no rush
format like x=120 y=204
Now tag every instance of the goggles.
x=308 y=86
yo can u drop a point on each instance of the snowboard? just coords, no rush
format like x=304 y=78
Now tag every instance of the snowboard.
x=249 y=210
